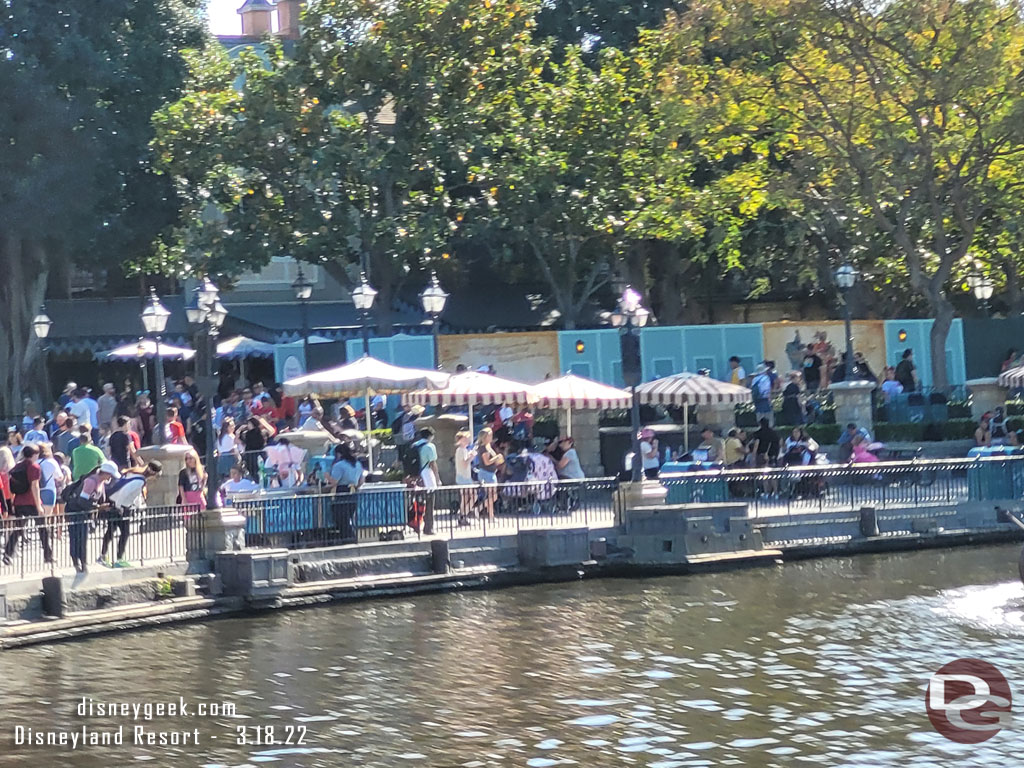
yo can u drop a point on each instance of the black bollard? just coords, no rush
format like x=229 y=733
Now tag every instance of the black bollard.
x=53 y=596
x=439 y=555
x=868 y=522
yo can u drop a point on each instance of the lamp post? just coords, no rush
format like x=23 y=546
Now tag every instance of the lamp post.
x=154 y=320
x=433 y=298
x=41 y=324
x=363 y=297
x=206 y=313
x=846 y=277
x=983 y=288
x=140 y=353
x=630 y=316
x=303 y=290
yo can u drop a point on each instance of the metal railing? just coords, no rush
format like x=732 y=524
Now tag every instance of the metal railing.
x=379 y=511
x=848 y=487
x=44 y=545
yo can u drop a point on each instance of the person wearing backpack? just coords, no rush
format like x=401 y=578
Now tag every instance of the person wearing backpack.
x=126 y=495
x=761 y=391
x=82 y=498
x=24 y=480
x=422 y=456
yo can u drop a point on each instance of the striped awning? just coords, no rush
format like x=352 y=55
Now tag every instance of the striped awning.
x=474 y=388
x=691 y=389
x=367 y=375
x=1013 y=378
x=571 y=391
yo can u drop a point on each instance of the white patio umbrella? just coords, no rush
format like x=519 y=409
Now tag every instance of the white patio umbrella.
x=571 y=391
x=365 y=377
x=131 y=351
x=239 y=347
x=474 y=388
x=686 y=389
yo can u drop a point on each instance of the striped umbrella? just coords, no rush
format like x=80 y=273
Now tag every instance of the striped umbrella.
x=474 y=388
x=571 y=391
x=1013 y=378
x=688 y=389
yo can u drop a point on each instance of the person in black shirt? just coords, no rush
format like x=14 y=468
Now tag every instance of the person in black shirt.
x=254 y=434
x=905 y=371
x=812 y=369
x=122 y=447
x=765 y=443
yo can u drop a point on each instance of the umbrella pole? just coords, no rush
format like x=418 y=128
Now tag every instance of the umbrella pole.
x=369 y=439
x=686 y=427
x=471 y=436
x=568 y=421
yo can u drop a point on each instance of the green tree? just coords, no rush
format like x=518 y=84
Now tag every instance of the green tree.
x=903 y=119
x=79 y=84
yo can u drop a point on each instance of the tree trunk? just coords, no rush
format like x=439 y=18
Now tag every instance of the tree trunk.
x=24 y=266
x=943 y=311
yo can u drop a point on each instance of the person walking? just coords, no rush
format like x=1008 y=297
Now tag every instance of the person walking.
x=346 y=477
x=28 y=504
x=737 y=375
x=106 y=407
x=126 y=496
x=792 y=412
x=906 y=372
x=121 y=444
x=761 y=392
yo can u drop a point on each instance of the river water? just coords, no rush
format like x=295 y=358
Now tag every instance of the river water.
x=822 y=662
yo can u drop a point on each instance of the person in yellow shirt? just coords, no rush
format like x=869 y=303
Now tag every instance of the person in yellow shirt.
x=737 y=375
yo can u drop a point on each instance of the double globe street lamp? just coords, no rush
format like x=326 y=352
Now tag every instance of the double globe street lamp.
x=363 y=297
x=631 y=316
x=982 y=286
x=206 y=313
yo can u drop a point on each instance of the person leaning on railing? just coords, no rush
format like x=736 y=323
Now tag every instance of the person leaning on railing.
x=127 y=496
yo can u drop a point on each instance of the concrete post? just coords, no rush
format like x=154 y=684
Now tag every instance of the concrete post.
x=212 y=531
x=986 y=395
x=646 y=493
x=163 y=491
x=853 y=402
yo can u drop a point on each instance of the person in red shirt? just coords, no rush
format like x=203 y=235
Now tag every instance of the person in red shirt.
x=24 y=479
x=175 y=430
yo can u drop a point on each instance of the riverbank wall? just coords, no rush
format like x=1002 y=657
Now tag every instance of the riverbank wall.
x=652 y=540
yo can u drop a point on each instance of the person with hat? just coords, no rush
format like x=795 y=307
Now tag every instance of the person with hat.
x=126 y=495
x=81 y=506
x=761 y=390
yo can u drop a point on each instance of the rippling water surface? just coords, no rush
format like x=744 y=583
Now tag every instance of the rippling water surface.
x=823 y=662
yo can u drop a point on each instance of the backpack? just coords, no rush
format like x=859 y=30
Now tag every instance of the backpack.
x=19 y=479
x=762 y=386
x=411 y=463
x=74 y=490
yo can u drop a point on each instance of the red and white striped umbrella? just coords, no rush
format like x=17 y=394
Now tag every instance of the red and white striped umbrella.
x=691 y=389
x=1013 y=378
x=474 y=388
x=571 y=391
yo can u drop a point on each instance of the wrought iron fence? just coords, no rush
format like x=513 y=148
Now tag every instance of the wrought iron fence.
x=105 y=538
x=845 y=488
x=394 y=510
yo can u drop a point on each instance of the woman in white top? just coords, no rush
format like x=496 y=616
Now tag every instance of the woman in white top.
x=228 y=454
x=51 y=478
x=464 y=455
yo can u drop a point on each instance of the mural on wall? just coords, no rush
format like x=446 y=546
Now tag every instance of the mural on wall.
x=529 y=357
x=787 y=344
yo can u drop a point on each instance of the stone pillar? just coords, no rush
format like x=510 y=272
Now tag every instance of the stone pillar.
x=721 y=417
x=986 y=395
x=312 y=441
x=853 y=403
x=445 y=426
x=163 y=491
x=587 y=433
x=212 y=531
x=646 y=493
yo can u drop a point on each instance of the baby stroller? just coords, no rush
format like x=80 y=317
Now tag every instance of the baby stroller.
x=525 y=490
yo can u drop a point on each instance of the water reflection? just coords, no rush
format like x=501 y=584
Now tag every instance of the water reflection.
x=824 y=662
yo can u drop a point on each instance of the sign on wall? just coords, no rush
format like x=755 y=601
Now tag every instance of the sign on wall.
x=529 y=357
x=786 y=342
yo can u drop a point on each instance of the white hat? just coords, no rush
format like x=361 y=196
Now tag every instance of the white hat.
x=110 y=468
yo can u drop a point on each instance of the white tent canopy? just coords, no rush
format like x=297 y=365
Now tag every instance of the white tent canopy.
x=1012 y=378
x=148 y=347
x=571 y=391
x=242 y=346
x=365 y=377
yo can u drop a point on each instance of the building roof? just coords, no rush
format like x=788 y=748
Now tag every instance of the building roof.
x=256 y=5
